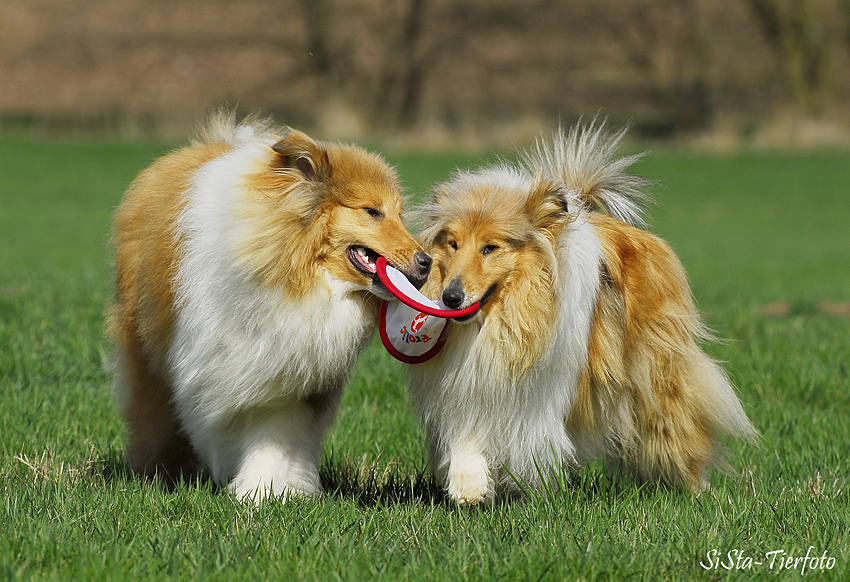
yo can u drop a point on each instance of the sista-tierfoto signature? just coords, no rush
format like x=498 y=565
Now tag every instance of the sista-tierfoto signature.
x=773 y=560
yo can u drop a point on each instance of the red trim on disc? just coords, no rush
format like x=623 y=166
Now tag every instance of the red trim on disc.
x=381 y=265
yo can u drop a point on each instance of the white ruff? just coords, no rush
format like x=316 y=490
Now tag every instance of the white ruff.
x=466 y=395
x=243 y=356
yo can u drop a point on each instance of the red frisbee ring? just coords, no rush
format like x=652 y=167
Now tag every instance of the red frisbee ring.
x=398 y=290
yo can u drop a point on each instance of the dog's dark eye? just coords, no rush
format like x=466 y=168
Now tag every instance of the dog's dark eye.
x=374 y=213
x=489 y=249
x=453 y=244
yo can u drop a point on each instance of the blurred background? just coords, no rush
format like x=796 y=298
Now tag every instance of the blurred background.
x=433 y=73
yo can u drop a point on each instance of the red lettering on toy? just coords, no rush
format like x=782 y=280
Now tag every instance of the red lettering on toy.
x=418 y=322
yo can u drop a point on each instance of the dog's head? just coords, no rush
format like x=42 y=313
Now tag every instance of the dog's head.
x=493 y=237
x=331 y=205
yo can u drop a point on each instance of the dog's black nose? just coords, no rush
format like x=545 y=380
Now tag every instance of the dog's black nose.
x=453 y=295
x=423 y=263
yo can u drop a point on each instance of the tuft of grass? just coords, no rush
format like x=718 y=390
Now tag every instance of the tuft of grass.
x=753 y=230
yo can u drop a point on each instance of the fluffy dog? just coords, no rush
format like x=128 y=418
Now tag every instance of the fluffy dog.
x=246 y=288
x=586 y=341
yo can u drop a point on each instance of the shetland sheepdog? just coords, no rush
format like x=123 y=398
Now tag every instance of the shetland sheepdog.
x=246 y=287
x=586 y=344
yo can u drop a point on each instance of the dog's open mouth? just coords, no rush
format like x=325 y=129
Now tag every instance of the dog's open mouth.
x=364 y=260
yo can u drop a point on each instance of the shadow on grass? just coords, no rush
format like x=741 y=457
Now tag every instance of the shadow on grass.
x=589 y=484
x=374 y=485
x=371 y=486
x=115 y=468
x=340 y=478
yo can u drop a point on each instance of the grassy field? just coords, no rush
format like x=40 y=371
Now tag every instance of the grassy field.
x=755 y=231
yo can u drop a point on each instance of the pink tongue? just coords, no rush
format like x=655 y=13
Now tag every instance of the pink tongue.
x=404 y=291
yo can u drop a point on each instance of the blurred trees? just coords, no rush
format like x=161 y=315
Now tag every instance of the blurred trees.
x=389 y=65
x=795 y=30
x=667 y=43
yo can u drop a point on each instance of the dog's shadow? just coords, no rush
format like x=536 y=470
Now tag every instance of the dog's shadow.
x=341 y=479
x=371 y=487
x=116 y=469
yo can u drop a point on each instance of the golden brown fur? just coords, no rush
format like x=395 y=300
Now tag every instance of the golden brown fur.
x=317 y=221
x=142 y=317
x=521 y=271
x=642 y=382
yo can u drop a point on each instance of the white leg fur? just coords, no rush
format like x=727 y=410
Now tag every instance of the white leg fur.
x=280 y=456
x=468 y=478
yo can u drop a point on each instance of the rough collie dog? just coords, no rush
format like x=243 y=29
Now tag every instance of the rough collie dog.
x=586 y=342
x=246 y=288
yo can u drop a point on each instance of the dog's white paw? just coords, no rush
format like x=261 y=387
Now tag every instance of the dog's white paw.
x=250 y=491
x=469 y=480
x=269 y=472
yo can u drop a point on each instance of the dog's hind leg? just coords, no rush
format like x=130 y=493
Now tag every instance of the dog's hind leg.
x=673 y=443
x=155 y=444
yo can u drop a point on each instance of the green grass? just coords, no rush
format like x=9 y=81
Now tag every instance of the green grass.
x=752 y=229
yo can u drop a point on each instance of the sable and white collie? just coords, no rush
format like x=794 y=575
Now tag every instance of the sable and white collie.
x=246 y=288
x=586 y=342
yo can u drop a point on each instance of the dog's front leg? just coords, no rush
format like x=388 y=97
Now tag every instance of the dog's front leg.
x=468 y=480
x=281 y=448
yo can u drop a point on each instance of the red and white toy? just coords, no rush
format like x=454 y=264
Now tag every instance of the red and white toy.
x=412 y=327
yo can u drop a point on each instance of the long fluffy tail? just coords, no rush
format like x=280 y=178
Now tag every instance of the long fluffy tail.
x=585 y=160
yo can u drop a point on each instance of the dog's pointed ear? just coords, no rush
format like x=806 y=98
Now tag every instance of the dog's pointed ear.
x=298 y=152
x=547 y=206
